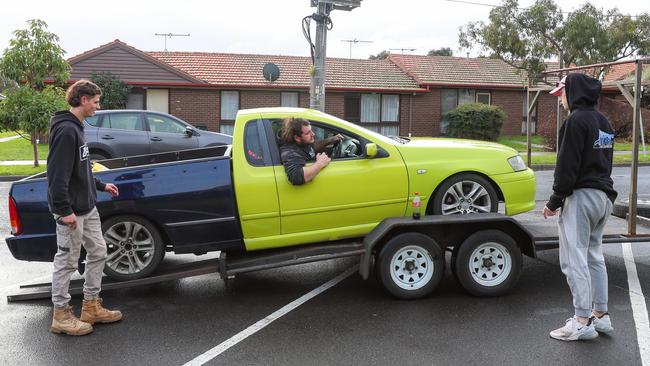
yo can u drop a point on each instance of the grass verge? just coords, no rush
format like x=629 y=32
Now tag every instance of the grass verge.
x=549 y=159
x=20 y=169
x=21 y=149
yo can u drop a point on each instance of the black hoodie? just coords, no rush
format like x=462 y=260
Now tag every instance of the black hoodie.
x=70 y=182
x=586 y=143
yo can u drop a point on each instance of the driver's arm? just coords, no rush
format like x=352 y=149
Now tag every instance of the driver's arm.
x=319 y=146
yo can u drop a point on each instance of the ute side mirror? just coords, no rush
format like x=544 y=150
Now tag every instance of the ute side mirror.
x=371 y=150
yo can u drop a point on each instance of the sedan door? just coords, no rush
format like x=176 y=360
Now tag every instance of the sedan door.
x=124 y=134
x=168 y=134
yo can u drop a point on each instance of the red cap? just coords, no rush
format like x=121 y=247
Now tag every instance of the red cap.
x=558 y=89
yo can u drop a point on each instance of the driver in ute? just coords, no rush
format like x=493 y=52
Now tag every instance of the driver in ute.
x=298 y=146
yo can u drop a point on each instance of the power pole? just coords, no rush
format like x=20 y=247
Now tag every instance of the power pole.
x=354 y=41
x=170 y=35
x=317 y=84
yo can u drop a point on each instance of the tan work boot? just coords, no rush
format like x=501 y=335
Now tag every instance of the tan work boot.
x=64 y=321
x=93 y=312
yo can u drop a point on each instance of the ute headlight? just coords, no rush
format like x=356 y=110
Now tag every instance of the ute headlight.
x=517 y=163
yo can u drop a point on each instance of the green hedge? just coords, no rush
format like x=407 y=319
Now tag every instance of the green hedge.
x=475 y=121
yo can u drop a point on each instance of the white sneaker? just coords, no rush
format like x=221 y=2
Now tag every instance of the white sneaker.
x=602 y=324
x=573 y=330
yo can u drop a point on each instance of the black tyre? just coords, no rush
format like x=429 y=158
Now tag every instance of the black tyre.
x=464 y=194
x=410 y=266
x=622 y=206
x=488 y=263
x=134 y=247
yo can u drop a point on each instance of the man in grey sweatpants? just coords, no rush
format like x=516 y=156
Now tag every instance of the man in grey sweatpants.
x=584 y=189
x=71 y=197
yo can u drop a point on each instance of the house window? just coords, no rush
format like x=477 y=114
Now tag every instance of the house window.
x=376 y=112
x=229 y=108
x=289 y=99
x=483 y=98
x=136 y=99
x=450 y=99
x=533 y=118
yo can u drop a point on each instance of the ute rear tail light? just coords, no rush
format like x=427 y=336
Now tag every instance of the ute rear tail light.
x=14 y=218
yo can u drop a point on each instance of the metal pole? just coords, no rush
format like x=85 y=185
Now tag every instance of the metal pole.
x=558 y=110
x=631 y=218
x=317 y=85
x=529 y=157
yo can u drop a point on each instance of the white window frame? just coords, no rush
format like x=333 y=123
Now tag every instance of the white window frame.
x=289 y=99
x=489 y=95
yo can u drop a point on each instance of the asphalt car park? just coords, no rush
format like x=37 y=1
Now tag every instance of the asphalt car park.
x=288 y=316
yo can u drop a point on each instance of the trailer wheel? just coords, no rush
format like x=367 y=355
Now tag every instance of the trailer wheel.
x=134 y=247
x=410 y=266
x=488 y=263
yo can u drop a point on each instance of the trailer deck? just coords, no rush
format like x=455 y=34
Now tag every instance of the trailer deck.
x=543 y=231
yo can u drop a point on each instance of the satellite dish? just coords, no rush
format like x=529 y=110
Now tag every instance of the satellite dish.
x=271 y=72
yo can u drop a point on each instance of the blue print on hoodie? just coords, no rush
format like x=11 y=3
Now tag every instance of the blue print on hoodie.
x=605 y=140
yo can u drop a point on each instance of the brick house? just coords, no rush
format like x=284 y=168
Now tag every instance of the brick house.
x=402 y=94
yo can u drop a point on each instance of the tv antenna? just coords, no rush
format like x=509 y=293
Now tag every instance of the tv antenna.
x=403 y=49
x=354 y=41
x=170 y=35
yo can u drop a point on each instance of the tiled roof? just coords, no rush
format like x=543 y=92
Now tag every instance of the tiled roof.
x=456 y=71
x=244 y=70
x=620 y=72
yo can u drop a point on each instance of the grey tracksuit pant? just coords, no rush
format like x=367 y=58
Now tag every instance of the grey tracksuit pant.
x=89 y=234
x=581 y=223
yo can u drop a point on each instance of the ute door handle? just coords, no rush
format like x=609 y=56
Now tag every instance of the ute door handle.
x=108 y=137
x=156 y=138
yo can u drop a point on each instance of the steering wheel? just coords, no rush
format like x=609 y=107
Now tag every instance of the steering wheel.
x=337 y=150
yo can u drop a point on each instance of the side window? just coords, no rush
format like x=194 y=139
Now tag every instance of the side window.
x=253 y=146
x=124 y=121
x=349 y=148
x=93 y=121
x=158 y=123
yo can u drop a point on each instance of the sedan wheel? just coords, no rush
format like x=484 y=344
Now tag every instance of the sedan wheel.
x=134 y=247
x=465 y=194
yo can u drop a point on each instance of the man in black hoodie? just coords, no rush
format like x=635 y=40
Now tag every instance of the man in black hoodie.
x=71 y=197
x=584 y=189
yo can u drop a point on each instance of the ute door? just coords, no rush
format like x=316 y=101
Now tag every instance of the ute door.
x=347 y=198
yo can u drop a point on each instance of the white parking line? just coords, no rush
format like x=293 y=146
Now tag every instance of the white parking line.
x=639 y=309
x=216 y=351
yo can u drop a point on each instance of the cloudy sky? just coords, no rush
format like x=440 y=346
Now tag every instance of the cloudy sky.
x=260 y=26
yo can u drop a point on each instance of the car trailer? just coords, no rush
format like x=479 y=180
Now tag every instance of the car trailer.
x=406 y=255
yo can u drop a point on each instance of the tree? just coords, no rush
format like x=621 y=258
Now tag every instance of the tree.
x=33 y=57
x=524 y=38
x=27 y=109
x=115 y=92
x=380 y=56
x=444 y=51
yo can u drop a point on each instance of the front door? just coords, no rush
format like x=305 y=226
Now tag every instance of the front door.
x=347 y=198
x=167 y=134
